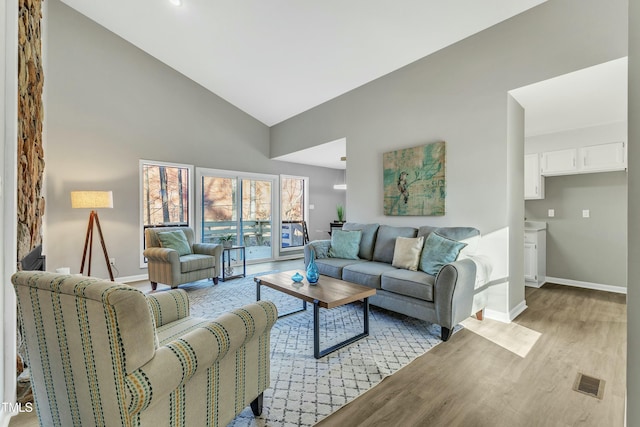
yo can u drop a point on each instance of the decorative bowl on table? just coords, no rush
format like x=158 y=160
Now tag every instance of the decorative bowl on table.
x=297 y=277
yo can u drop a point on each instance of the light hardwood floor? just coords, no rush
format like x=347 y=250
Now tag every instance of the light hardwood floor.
x=520 y=375
x=471 y=381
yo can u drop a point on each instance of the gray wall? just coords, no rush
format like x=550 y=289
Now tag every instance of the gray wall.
x=108 y=105
x=633 y=291
x=590 y=249
x=459 y=95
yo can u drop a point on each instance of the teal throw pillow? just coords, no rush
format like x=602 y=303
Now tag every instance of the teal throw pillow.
x=175 y=240
x=345 y=244
x=438 y=251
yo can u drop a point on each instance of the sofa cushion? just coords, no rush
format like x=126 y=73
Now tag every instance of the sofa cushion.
x=415 y=284
x=175 y=240
x=366 y=273
x=333 y=266
x=386 y=241
x=345 y=244
x=368 y=239
x=407 y=252
x=438 y=251
x=195 y=262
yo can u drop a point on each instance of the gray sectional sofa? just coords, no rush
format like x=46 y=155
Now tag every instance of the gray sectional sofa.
x=445 y=299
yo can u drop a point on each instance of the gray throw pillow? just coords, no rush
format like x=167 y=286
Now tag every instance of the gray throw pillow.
x=345 y=244
x=175 y=240
x=321 y=248
x=437 y=252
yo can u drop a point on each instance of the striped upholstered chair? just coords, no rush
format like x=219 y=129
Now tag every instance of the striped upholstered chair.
x=173 y=267
x=104 y=354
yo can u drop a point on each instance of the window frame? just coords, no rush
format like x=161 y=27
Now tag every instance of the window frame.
x=239 y=176
x=190 y=197
x=305 y=209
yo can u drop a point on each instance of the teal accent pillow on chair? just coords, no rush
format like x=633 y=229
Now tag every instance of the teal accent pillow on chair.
x=175 y=240
x=345 y=244
x=438 y=251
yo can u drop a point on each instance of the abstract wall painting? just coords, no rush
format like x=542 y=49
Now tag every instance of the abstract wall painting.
x=414 y=181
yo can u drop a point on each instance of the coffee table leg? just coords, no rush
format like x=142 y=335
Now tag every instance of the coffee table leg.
x=317 y=353
x=366 y=315
x=316 y=330
x=304 y=303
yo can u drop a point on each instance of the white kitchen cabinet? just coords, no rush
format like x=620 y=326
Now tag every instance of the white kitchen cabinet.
x=535 y=256
x=603 y=157
x=560 y=162
x=533 y=181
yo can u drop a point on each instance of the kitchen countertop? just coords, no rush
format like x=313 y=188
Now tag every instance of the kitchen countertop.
x=534 y=226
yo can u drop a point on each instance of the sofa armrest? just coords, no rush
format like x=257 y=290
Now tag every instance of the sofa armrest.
x=164 y=255
x=212 y=249
x=169 y=306
x=175 y=363
x=453 y=292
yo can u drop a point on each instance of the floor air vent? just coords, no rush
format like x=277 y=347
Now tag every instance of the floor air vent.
x=590 y=386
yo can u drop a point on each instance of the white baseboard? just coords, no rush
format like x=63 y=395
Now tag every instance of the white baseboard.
x=128 y=279
x=587 y=285
x=506 y=317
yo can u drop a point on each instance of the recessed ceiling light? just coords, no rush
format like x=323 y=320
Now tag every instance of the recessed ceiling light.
x=176 y=2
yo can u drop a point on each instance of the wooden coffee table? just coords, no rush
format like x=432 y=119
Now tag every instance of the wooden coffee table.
x=327 y=293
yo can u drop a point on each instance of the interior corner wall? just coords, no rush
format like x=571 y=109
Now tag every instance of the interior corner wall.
x=108 y=105
x=633 y=266
x=458 y=95
x=515 y=208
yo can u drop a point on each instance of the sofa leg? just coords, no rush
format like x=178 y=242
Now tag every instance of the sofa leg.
x=256 y=405
x=445 y=333
x=154 y=286
x=215 y=280
x=480 y=315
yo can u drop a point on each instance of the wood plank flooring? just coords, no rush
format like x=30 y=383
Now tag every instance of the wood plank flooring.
x=470 y=381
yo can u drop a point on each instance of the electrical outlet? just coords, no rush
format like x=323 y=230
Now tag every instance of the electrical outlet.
x=112 y=262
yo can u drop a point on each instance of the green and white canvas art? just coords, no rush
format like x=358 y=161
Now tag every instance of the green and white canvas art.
x=414 y=180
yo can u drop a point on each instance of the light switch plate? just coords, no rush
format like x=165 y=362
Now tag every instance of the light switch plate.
x=586 y=213
x=552 y=213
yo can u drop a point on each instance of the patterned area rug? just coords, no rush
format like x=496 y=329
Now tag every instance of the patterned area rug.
x=305 y=390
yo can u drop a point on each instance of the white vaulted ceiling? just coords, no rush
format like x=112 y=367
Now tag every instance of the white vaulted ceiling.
x=277 y=58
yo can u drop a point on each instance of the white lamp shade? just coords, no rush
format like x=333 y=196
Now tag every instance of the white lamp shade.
x=91 y=199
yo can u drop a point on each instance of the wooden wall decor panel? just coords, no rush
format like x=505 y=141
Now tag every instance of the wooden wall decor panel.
x=30 y=204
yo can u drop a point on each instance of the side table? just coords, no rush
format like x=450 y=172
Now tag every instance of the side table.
x=227 y=270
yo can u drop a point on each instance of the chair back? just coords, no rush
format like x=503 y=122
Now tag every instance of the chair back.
x=83 y=336
x=151 y=235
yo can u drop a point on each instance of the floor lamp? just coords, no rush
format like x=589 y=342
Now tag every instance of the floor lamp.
x=93 y=200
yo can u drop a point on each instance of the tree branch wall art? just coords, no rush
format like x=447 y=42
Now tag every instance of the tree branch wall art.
x=414 y=180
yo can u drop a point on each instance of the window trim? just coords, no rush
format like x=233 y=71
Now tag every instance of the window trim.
x=190 y=198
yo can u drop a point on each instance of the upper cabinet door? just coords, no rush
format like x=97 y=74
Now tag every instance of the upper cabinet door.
x=533 y=182
x=561 y=162
x=603 y=157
